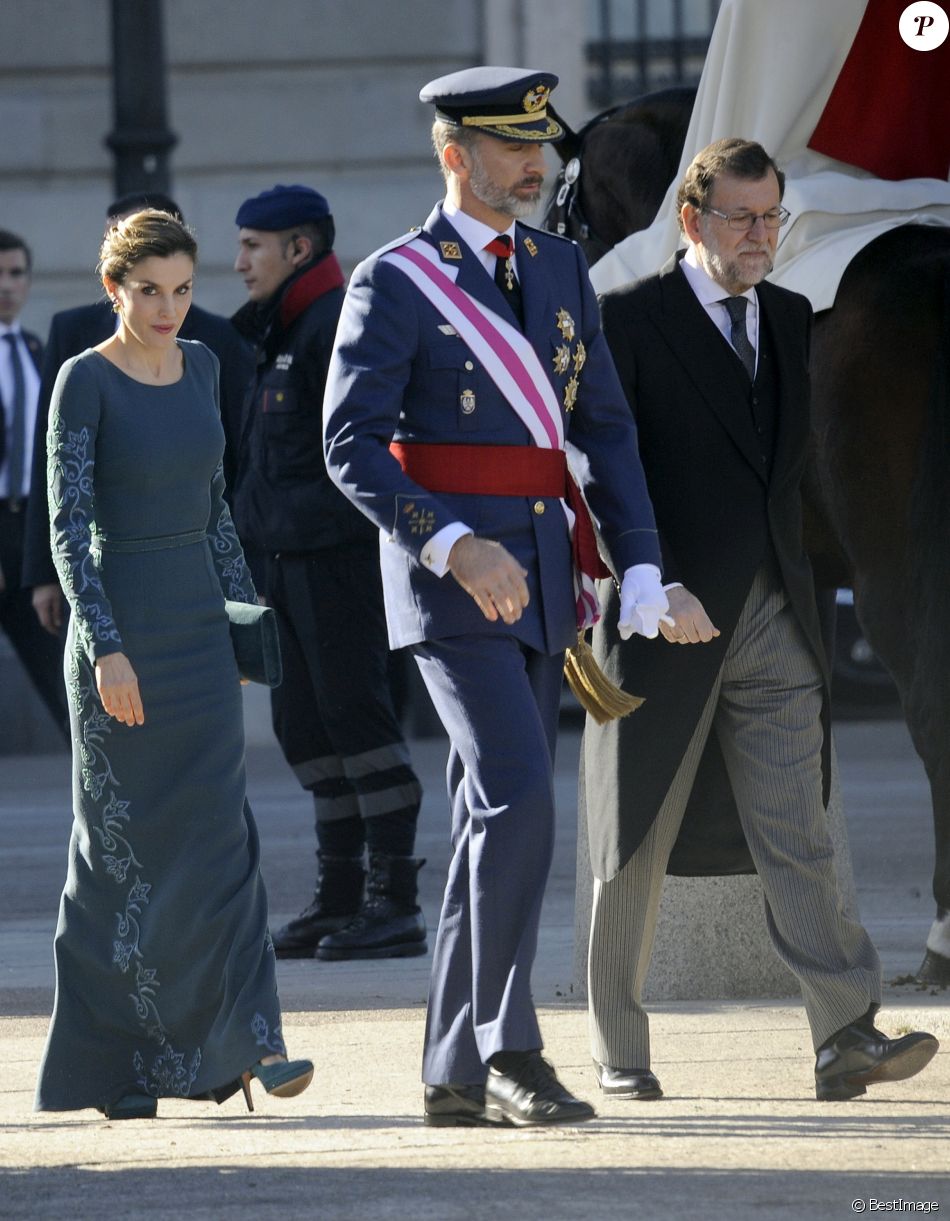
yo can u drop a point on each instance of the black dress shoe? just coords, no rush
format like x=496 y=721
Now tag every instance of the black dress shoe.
x=859 y=1055
x=457 y=1106
x=637 y=1083
x=528 y=1092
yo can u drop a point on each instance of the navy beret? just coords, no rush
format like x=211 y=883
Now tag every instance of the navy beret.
x=281 y=208
x=510 y=103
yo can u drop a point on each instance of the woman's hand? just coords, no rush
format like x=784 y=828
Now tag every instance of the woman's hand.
x=119 y=689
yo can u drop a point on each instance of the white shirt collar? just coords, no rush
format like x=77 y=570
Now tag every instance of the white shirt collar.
x=475 y=233
x=702 y=283
x=12 y=328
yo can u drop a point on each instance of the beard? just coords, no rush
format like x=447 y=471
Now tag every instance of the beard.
x=503 y=199
x=734 y=275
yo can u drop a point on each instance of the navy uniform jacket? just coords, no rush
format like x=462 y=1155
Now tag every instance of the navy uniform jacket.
x=395 y=374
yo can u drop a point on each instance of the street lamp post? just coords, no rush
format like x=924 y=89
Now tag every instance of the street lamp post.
x=141 y=140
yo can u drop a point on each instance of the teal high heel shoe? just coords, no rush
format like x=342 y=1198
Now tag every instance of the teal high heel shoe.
x=131 y=1106
x=283 y=1079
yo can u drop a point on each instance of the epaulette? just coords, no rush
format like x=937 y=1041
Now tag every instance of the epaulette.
x=545 y=233
x=399 y=241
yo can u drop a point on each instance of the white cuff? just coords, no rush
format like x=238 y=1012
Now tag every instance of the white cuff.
x=672 y=585
x=435 y=554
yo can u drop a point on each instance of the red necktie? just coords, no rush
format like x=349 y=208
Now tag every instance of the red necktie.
x=501 y=247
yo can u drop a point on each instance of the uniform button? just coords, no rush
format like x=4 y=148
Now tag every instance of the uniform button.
x=539 y=507
x=755 y=402
x=469 y=366
x=280 y=398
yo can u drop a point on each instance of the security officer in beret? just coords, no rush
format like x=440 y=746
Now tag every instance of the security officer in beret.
x=468 y=354
x=318 y=562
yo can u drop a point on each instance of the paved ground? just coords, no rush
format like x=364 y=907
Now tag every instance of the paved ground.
x=739 y=1134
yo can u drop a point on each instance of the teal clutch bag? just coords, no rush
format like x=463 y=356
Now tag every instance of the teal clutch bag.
x=255 y=642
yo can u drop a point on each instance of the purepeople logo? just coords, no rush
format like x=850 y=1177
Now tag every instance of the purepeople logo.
x=924 y=26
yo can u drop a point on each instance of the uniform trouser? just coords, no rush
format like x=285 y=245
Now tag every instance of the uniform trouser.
x=40 y=652
x=333 y=712
x=765 y=709
x=498 y=701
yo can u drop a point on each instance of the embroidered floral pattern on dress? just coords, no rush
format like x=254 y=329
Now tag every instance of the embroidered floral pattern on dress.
x=166 y=1076
x=262 y=1032
x=226 y=551
x=69 y=476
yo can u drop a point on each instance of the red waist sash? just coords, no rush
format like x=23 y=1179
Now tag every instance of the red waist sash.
x=504 y=470
x=484 y=470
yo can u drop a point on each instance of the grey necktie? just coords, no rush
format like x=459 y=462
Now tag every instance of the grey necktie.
x=15 y=447
x=736 y=308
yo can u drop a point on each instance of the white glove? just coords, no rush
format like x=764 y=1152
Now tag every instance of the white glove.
x=643 y=604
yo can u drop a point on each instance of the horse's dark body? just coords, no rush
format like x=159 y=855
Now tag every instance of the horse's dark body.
x=878 y=487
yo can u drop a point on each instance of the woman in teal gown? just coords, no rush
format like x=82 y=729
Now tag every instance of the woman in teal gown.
x=165 y=971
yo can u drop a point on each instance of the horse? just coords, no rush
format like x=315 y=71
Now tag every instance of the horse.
x=876 y=491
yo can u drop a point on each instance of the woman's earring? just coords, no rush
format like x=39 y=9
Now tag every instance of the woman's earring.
x=115 y=305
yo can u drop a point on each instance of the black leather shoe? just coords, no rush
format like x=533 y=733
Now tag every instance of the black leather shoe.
x=859 y=1055
x=457 y=1106
x=636 y=1083
x=299 y=938
x=390 y=923
x=528 y=1092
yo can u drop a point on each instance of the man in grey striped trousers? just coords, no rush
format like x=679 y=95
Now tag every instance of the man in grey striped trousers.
x=714 y=363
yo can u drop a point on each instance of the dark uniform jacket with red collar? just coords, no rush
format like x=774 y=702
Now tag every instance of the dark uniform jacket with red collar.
x=283 y=499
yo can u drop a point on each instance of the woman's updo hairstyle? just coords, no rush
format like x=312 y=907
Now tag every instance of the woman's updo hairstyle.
x=143 y=235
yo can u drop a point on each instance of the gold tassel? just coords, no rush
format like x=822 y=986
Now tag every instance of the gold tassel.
x=594 y=691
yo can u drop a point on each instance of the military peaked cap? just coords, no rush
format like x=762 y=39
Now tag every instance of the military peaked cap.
x=510 y=103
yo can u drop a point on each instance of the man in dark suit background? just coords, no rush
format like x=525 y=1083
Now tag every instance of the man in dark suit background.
x=71 y=332
x=21 y=356
x=714 y=362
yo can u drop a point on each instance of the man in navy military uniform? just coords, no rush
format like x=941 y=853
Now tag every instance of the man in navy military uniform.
x=319 y=567
x=468 y=355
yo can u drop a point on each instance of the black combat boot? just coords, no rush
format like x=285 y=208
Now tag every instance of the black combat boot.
x=390 y=922
x=336 y=901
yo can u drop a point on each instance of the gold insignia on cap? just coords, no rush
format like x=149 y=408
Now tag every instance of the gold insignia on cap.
x=536 y=98
x=570 y=394
x=580 y=356
x=450 y=250
x=562 y=358
x=565 y=324
x=530 y=247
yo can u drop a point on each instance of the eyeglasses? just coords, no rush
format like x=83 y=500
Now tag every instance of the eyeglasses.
x=742 y=221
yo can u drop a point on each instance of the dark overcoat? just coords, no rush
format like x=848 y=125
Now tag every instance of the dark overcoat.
x=720 y=509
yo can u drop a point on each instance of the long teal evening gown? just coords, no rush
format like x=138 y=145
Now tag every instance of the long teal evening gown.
x=165 y=971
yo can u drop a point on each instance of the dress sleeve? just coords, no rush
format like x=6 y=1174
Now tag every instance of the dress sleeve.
x=71 y=459
x=229 y=563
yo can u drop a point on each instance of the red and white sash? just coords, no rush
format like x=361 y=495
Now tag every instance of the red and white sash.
x=510 y=361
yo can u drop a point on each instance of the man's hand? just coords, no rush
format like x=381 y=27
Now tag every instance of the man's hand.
x=691 y=624
x=119 y=689
x=643 y=603
x=48 y=604
x=491 y=575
